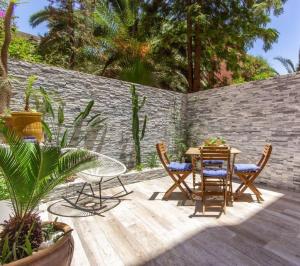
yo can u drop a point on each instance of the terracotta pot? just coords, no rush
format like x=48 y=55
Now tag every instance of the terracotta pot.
x=27 y=124
x=59 y=254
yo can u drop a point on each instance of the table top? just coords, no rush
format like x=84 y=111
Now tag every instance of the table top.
x=196 y=151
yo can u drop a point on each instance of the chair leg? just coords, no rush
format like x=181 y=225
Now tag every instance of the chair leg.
x=122 y=184
x=100 y=192
x=91 y=189
x=80 y=193
x=225 y=194
x=203 y=196
x=177 y=183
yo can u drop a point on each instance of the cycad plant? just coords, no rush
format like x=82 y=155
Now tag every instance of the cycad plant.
x=31 y=171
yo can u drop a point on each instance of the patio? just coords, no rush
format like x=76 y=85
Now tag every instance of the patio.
x=145 y=230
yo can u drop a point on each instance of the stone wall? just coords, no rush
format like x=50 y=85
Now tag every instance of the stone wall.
x=250 y=115
x=247 y=116
x=165 y=109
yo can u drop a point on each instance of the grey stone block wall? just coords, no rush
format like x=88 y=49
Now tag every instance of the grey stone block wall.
x=250 y=115
x=113 y=99
x=247 y=116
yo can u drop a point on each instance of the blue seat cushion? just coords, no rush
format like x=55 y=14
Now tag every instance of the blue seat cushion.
x=176 y=166
x=246 y=167
x=213 y=161
x=213 y=172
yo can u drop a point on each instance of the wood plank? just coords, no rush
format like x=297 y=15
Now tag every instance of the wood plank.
x=145 y=230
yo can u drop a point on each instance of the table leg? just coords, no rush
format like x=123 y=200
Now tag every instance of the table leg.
x=194 y=174
x=231 y=174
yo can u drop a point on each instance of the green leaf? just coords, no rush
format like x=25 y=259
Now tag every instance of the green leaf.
x=47 y=130
x=28 y=246
x=93 y=118
x=144 y=127
x=61 y=115
x=5 y=250
x=63 y=142
x=88 y=109
x=143 y=103
x=78 y=119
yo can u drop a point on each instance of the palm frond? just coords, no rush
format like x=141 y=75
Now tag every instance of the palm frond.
x=298 y=65
x=31 y=171
x=41 y=16
x=287 y=63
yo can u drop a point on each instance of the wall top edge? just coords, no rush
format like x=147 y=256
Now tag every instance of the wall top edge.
x=46 y=67
x=251 y=84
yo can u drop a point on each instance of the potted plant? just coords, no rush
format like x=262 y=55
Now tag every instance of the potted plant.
x=214 y=141
x=31 y=171
x=28 y=123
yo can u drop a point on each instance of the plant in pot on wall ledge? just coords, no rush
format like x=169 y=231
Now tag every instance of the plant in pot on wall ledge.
x=31 y=171
x=214 y=141
x=28 y=123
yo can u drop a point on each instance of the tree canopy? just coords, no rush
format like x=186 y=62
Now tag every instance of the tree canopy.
x=178 y=45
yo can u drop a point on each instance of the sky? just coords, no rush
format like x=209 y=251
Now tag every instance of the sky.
x=288 y=25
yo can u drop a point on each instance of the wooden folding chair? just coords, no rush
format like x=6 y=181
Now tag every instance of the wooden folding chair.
x=248 y=173
x=215 y=178
x=178 y=176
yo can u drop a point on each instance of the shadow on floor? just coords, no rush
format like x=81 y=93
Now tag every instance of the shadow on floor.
x=87 y=207
x=269 y=237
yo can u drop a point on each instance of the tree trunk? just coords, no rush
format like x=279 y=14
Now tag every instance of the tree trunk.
x=5 y=86
x=72 y=41
x=189 y=47
x=197 y=59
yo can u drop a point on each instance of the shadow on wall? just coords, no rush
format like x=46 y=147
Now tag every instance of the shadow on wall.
x=92 y=138
x=124 y=156
x=269 y=237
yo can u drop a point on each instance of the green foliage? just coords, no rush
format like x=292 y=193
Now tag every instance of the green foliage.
x=70 y=32
x=228 y=30
x=138 y=72
x=31 y=171
x=20 y=47
x=146 y=41
x=152 y=160
x=20 y=237
x=180 y=136
x=58 y=132
x=180 y=148
x=30 y=90
x=137 y=133
x=253 y=68
x=214 y=141
x=139 y=167
x=23 y=49
x=3 y=190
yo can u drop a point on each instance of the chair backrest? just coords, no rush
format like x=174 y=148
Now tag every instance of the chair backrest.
x=106 y=166
x=265 y=156
x=215 y=153
x=161 y=149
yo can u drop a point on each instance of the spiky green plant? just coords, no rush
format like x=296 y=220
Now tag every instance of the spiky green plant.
x=137 y=134
x=31 y=171
x=70 y=136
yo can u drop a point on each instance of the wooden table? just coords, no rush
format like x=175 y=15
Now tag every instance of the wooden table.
x=194 y=152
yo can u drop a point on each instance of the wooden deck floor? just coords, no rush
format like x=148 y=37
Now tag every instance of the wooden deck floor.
x=145 y=230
